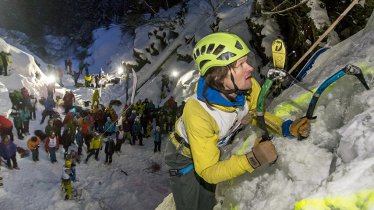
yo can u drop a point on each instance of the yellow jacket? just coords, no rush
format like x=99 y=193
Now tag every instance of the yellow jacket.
x=203 y=131
x=96 y=142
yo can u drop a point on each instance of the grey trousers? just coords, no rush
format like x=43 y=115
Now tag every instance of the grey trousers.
x=189 y=191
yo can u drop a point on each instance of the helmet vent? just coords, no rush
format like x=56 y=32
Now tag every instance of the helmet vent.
x=203 y=48
x=219 y=49
x=197 y=52
x=210 y=49
x=238 y=45
x=226 y=56
x=202 y=63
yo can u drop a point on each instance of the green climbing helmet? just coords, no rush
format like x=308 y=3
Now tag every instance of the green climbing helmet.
x=218 y=49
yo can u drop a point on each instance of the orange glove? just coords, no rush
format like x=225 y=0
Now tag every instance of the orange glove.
x=300 y=128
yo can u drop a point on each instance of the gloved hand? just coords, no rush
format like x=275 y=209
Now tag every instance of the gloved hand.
x=262 y=153
x=300 y=128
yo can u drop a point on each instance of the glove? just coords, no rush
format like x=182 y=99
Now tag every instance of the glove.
x=262 y=153
x=300 y=128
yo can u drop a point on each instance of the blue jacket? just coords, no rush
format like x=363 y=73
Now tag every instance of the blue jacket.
x=25 y=115
x=79 y=138
x=7 y=150
x=156 y=136
x=109 y=127
x=49 y=104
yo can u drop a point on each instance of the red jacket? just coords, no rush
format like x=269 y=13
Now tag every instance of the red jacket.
x=5 y=122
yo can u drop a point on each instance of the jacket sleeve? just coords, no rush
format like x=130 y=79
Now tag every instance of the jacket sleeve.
x=202 y=132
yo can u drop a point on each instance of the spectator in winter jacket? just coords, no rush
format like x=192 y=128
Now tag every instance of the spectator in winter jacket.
x=68 y=66
x=32 y=107
x=4 y=62
x=57 y=126
x=76 y=77
x=95 y=99
x=83 y=66
x=97 y=81
x=33 y=145
x=79 y=140
x=6 y=127
x=157 y=139
x=66 y=139
x=87 y=80
x=136 y=132
x=8 y=151
x=119 y=139
x=95 y=146
x=66 y=179
x=109 y=150
x=49 y=128
x=126 y=126
x=17 y=121
x=49 y=104
x=100 y=120
x=109 y=112
x=69 y=100
x=109 y=127
x=51 y=146
x=25 y=92
x=25 y=117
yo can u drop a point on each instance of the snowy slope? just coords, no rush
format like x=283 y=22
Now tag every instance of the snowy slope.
x=337 y=158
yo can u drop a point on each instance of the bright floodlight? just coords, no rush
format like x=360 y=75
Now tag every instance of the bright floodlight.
x=174 y=73
x=51 y=79
x=120 y=70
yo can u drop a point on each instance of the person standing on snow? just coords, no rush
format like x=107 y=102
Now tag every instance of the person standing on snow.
x=225 y=99
x=96 y=145
x=95 y=99
x=109 y=150
x=32 y=107
x=4 y=62
x=66 y=179
x=33 y=145
x=17 y=121
x=8 y=151
x=25 y=117
x=120 y=139
x=79 y=140
x=69 y=100
x=157 y=139
x=49 y=104
x=136 y=131
x=51 y=146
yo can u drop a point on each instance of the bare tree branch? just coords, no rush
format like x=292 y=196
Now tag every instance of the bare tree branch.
x=285 y=10
x=149 y=6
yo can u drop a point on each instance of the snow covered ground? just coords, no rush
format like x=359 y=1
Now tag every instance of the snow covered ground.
x=336 y=160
